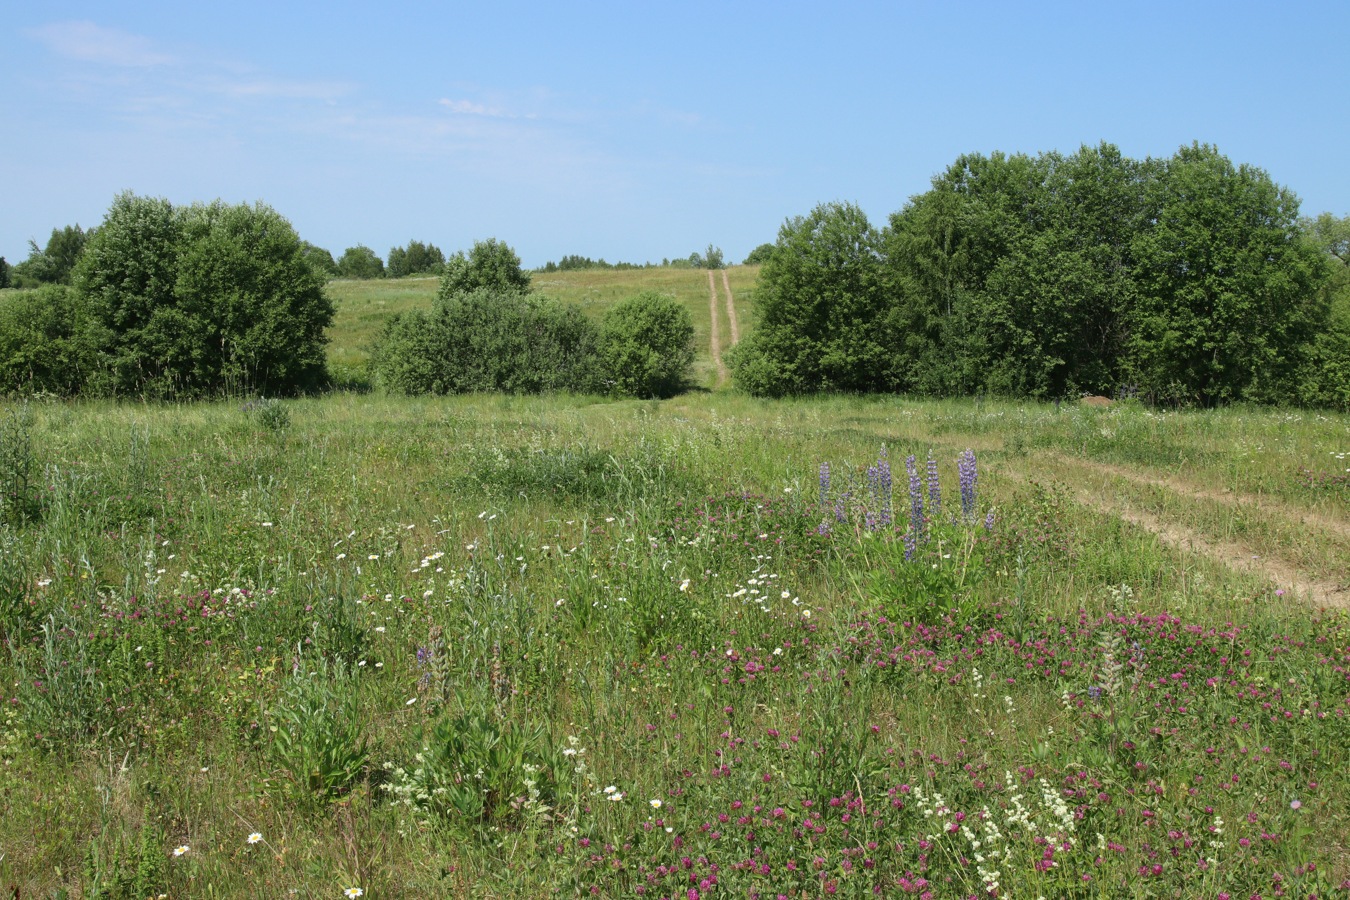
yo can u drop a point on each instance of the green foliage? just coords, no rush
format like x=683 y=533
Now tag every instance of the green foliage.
x=415 y=259
x=54 y=263
x=318 y=741
x=360 y=262
x=127 y=870
x=1187 y=280
x=474 y=773
x=821 y=310
x=646 y=346
x=759 y=255
x=488 y=341
x=320 y=259
x=4 y=273
x=201 y=300
x=1229 y=293
x=19 y=495
x=490 y=266
x=712 y=258
x=254 y=304
x=270 y=414
x=45 y=344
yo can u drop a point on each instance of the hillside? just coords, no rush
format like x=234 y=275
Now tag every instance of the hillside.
x=364 y=306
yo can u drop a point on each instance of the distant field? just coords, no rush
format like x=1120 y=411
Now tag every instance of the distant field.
x=364 y=306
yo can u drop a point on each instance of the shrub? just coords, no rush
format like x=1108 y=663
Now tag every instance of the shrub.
x=491 y=265
x=200 y=300
x=360 y=262
x=488 y=341
x=646 y=346
x=415 y=259
x=45 y=346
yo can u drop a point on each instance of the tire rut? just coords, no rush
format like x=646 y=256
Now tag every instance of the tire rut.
x=731 y=310
x=714 y=333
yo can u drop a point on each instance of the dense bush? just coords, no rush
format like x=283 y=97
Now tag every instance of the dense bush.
x=488 y=341
x=360 y=262
x=646 y=346
x=199 y=300
x=490 y=266
x=44 y=342
x=822 y=309
x=320 y=259
x=54 y=263
x=1186 y=280
x=415 y=259
x=4 y=273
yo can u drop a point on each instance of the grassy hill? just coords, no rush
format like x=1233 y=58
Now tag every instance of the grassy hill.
x=364 y=306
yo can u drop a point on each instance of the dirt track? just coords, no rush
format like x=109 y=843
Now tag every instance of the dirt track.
x=731 y=310
x=1233 y=554
x=714 y=332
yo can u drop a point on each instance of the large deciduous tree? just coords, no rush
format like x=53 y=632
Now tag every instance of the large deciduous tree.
x=821 y=310
x=201 y=300
x=1228 y=291
x=415 y=259
x=360 y=262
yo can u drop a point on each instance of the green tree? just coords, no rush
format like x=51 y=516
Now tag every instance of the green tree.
x=319 y=259
x=490 y=266
x=126 y=279
x=360 y=262
x=646 y=346
x=201 y=300
x=821 y=309
x=4 y=273
x=415 y=259
x=1230 y=291
x=44 y=342
x=53 y=264
x=712 y=258
x=1325 y=379
x=488 y=341
x=244 y=275
x=759 y=255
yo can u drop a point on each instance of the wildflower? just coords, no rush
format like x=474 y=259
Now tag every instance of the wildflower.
x=1296 y=804
x=353 y=892
x=255 y=837
x=180 y=850
x=656 y=804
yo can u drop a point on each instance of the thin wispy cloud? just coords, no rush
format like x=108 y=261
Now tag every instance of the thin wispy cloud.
x=470 y=108
x=87 y=42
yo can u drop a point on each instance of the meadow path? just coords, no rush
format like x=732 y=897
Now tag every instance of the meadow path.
x=1234 y=554
x=731 y=310
x=714 y=332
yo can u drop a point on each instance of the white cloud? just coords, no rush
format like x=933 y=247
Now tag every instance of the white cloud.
x=469 y=108
x=88 y=42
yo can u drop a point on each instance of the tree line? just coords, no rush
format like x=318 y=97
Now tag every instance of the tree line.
x=1186 y=280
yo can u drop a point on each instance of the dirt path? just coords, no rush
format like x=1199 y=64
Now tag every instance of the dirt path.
x=731 y=310
x=1231 y=554
x=714 y=333
x=1227 y=498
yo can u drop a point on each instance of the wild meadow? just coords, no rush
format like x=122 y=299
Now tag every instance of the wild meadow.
x=706 y=647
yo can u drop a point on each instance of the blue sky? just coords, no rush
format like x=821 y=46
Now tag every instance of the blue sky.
x=632 y=131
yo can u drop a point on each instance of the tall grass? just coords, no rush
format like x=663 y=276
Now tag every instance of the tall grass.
x=513 y=647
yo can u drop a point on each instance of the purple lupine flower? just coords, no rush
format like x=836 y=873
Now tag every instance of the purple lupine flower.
x=823 y=528
x=965 y=467
x=911 y=545
x=824 y=484
x=934 y=488
x=989 y=521
x=884 y=488
x=915 y=497
x=870 y=520
x=873 y=496
x=1095 y=693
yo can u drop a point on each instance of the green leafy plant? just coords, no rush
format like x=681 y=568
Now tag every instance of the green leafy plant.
x=646 y=346
x=317 y=739
x=474 y=772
